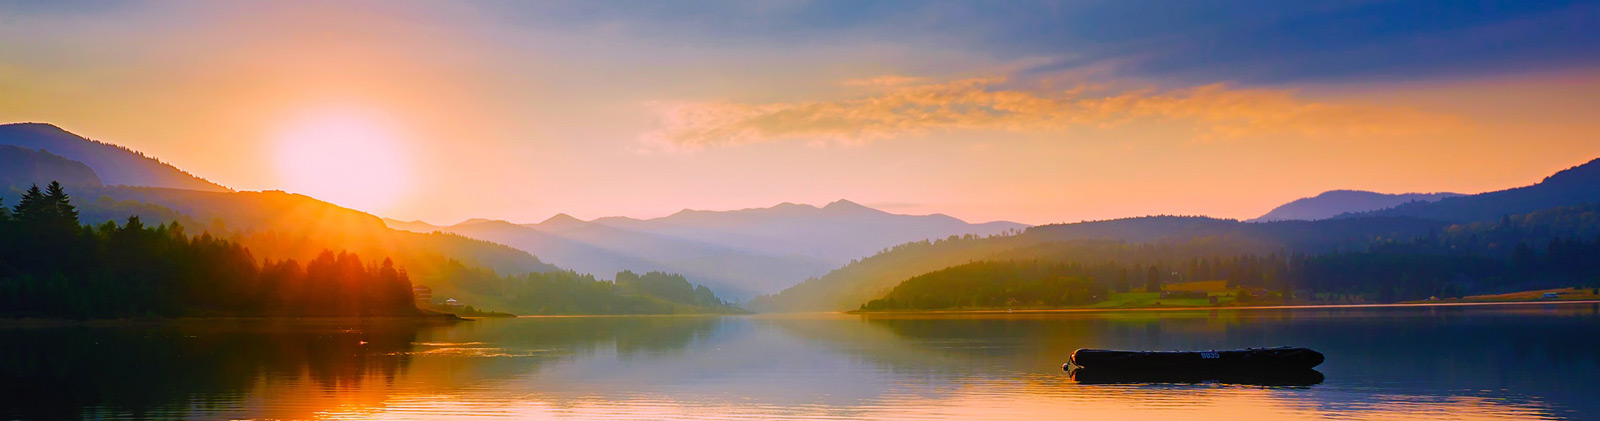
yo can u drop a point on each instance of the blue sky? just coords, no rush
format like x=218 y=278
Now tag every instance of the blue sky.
x=1030 y=111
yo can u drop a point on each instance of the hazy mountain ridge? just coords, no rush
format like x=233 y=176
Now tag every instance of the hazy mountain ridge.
x=113 y=163
x=1333 y=203
x=738 y=253
x=22 y=166
x=836 y=233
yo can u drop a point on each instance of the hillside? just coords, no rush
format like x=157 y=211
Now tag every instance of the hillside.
x=20 y=167
x=1336 y=202
x=278 y=225
x=114 y=164
x=739 y=254
x=847 y=287
x=1553 y=248
x=1573 y=186
x=274 y=225
x=603 y=250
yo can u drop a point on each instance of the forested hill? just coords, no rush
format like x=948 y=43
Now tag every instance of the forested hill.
x=114 y=164
x=276 y=225
x=1549 y=249
x=1573 y=186
x=847 y=287
x=1337 y=202
x=572 y=293
x=50 y=266
x=869 y=278
x=272 y=224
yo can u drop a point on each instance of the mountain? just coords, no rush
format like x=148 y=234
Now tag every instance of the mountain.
x=1573 y=186
x=114 y=164
x=1335 y=202
x=273 y=225
x=849 y=286
x=21 y=167
x=603 y=250
x=738 y=254
x=835 y=233
x=279 y=225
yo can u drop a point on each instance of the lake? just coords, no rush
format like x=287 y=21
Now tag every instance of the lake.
x=1454 y=362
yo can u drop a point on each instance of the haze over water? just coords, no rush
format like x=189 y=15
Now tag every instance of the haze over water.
x=1468 y=362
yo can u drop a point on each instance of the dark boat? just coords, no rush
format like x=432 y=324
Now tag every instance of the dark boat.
x=1287 y=377
x=1281 y=358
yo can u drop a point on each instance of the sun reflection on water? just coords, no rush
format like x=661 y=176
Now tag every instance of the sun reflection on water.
x=1419 y=364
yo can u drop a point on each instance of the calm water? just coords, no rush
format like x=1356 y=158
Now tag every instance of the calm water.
x=1521 y=362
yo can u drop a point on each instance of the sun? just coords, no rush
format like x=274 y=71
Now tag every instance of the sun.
x=351 y=157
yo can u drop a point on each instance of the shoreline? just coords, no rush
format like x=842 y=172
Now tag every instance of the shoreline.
x=1158 y=309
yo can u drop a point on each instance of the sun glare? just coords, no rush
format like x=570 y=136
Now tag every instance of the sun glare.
x=351 y=157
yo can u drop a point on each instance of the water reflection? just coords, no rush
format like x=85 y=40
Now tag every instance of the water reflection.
x=178 y=369
x=1451 y=363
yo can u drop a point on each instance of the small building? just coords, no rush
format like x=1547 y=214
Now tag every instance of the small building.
x=452 y=303
x=423 y=295
x=1550 y=296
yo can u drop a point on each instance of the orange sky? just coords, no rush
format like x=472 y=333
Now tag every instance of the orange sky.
x=470 y=114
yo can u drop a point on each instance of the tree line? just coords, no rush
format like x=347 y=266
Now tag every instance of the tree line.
x=569 y=292
x=991 y=284
x=1557 y=247
x=50 y=266
x=1442 y=266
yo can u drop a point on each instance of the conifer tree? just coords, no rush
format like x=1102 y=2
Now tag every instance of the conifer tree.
x=30 y=208
x=1153 y=280
x=60 y=204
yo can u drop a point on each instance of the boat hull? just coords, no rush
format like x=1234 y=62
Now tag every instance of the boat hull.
x=1284 y=377
x=1249 y=358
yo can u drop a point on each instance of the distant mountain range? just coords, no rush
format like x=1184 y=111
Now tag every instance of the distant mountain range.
x=784 y=251
x=1337 y=202
x=871 y=277
x=737 y=253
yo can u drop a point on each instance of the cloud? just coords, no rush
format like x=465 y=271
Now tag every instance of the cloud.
x=1215 y=111
x=885 y=81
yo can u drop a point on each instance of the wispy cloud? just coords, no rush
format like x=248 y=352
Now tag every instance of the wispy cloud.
x=1215 y=111
x=885 y=81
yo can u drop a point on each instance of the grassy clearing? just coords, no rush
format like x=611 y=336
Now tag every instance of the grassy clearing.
x=1206 y=286
x=1153 y=299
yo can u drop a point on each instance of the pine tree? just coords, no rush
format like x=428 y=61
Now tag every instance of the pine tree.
x=1153 y=281
x=60 y=204
x=30 y=208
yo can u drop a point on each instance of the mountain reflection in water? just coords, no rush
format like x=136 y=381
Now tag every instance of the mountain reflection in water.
x=1519 y=362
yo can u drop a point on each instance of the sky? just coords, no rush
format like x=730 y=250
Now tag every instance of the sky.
x=1029 y=111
